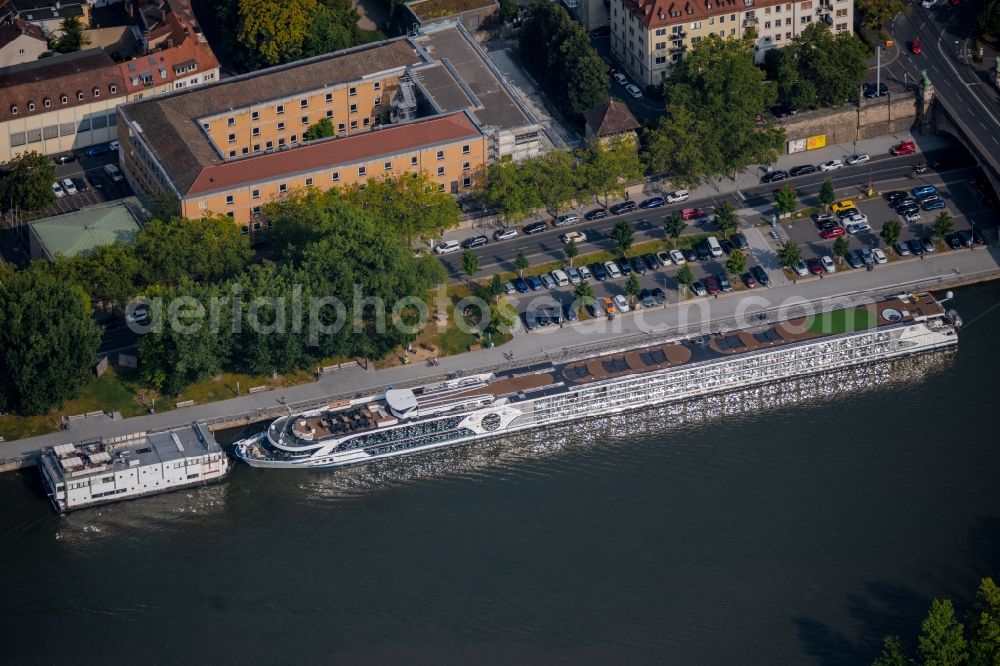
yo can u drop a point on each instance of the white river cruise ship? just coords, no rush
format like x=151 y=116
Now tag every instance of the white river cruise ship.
x=110 y=470
x=403 y=421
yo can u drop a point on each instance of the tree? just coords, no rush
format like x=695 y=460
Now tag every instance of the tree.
x=789 y=253
x=508 y=10
x=470 y=263
x=28 y=184
x=211 y=249
x=319 y=130
x=71 y=38
x=893 y=653
x=607 y=169
x=48 y=340
x=841 y=247
x=583 y=294
x=521 y=263
x=891 y=231
x=273 y=30
x=737 y=262
x=877 y=13
x=509 y=190
x=984 y=623
x=726 y=220
x=941 y=642
x=163 y=205
x=826 y=194
x=942 y=225
x=835 y=64
x=674 y=225
x=633 y=287
x=571 y=250
x=494 y=290
x=786 y=199
x=503 y=319
x=685 y=276
x=110 y=274
x=411 y=203
x=555 y=179
x=989 y=20
x=669 y=149
x=623 y=234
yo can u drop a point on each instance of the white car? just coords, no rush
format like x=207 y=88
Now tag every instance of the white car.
x=828 y=264
x=114 y=145
x=800 y=268
x=574 y=275
x=620 y=78
x=621 y=303
x=505 y=234
x=678 y=196
x=58 y=190
x=447 y=247
x=856 y=218
x=585 y=273
x=634 y=91
x=879 y=255
x=912 y=217
x=860 y=158
x=612 y=268
x=858 y=227
x=664 y=258
x=830 y=165
x=574 y=237
x=68 y=186
x=677 y=257
x=927 y=4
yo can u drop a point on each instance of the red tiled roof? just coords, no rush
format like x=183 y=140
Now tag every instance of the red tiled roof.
x=190 y=49
x=11 y=31
x=389 y=140
x=657 y=13
x=611 y=118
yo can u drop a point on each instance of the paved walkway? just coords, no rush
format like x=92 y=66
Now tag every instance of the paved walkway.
x=935 y=271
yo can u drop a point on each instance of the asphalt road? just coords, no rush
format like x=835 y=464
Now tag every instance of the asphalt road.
x=945 y=33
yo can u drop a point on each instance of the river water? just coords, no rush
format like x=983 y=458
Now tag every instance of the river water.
x=717 y=533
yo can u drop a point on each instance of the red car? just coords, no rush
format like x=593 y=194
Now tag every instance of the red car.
x=712 y=285
x=692 y=213
x=815 y=267
x=832 y=232
x=904 y=148
x=915 y=46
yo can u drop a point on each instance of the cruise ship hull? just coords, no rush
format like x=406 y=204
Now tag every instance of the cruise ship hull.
x=609 y=384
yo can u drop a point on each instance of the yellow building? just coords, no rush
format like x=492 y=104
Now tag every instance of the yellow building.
x=230 y=147
x=649 y=36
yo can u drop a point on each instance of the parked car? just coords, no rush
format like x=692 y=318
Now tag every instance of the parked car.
x=620 y=79
x=740 y=241
x=624 y=207
x=64 y=159
x=58 y=190
x=505 y=234
x=901 y=248
x=855 y=259
x=585 y=273
x=912 y=216
x=81 y=185
x=573 y=274
x=916 y=247
x=596 y=214
x=114 y=172
x=612 y=269
x=904 y=148
x=624 y=266
x=95 y=181
x=935 y=204
x=634 y=91
x=748 y=280
x=711 y=285
x=726 y=246
x=830 y=165
x=857 y=227
x=547 y=281
x=659 y=295
x=509 y=288
x=895 y=196
x=650 y=261
x=600 y=273
x=638 y=265
x=678 y=196
x=928 y=243
x=474 y=241
x=860 y=158
x=574 y=237
x=677 y=257
x=915 y=47
x=814 y=266
x=447 y=247
x=761 y=275
x=535 y=228
x=879 y=256
x=652 y=202
x=833 y=232
x=566 y=220
x=704 y=252
x=828 y=264
x=698 y=288
x=593 y=309
x=800 y=268
x=954 y=240
x=842 y=205
x=621 y=303
x=646 y=298
x=95 y=151
x=68 y=186
x=138 y=315
x=521 y=285
x=802 y=170
x=690 y=255
x=609 y=308
x=535 y=283
x=774 y=176
x=871 y=91
x=570 y=313
x=867 y=256
x=825 y=219
x=724 y=283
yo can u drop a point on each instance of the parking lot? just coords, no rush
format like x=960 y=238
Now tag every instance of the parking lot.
x=90 y=172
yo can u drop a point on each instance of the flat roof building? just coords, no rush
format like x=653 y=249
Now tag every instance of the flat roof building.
x=431 y=102
x=84 y=230
x=473 y=14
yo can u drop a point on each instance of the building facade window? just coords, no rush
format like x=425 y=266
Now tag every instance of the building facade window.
x=387 y=166
x=362 y=170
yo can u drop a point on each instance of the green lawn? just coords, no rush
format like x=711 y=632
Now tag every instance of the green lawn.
x=841 y=321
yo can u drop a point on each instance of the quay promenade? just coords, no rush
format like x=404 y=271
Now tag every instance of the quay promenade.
x=934 y=272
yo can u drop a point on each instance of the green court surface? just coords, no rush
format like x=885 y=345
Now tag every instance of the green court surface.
x=841 y=321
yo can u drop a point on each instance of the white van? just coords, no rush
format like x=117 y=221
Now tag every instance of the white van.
x=714 y=247
x=561 y=278
x=113 y=172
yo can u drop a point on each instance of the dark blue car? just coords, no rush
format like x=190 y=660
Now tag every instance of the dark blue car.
x=654 y=202
x=535 y=282
x=521 y=285
x=94 y=151
x=933 y=205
